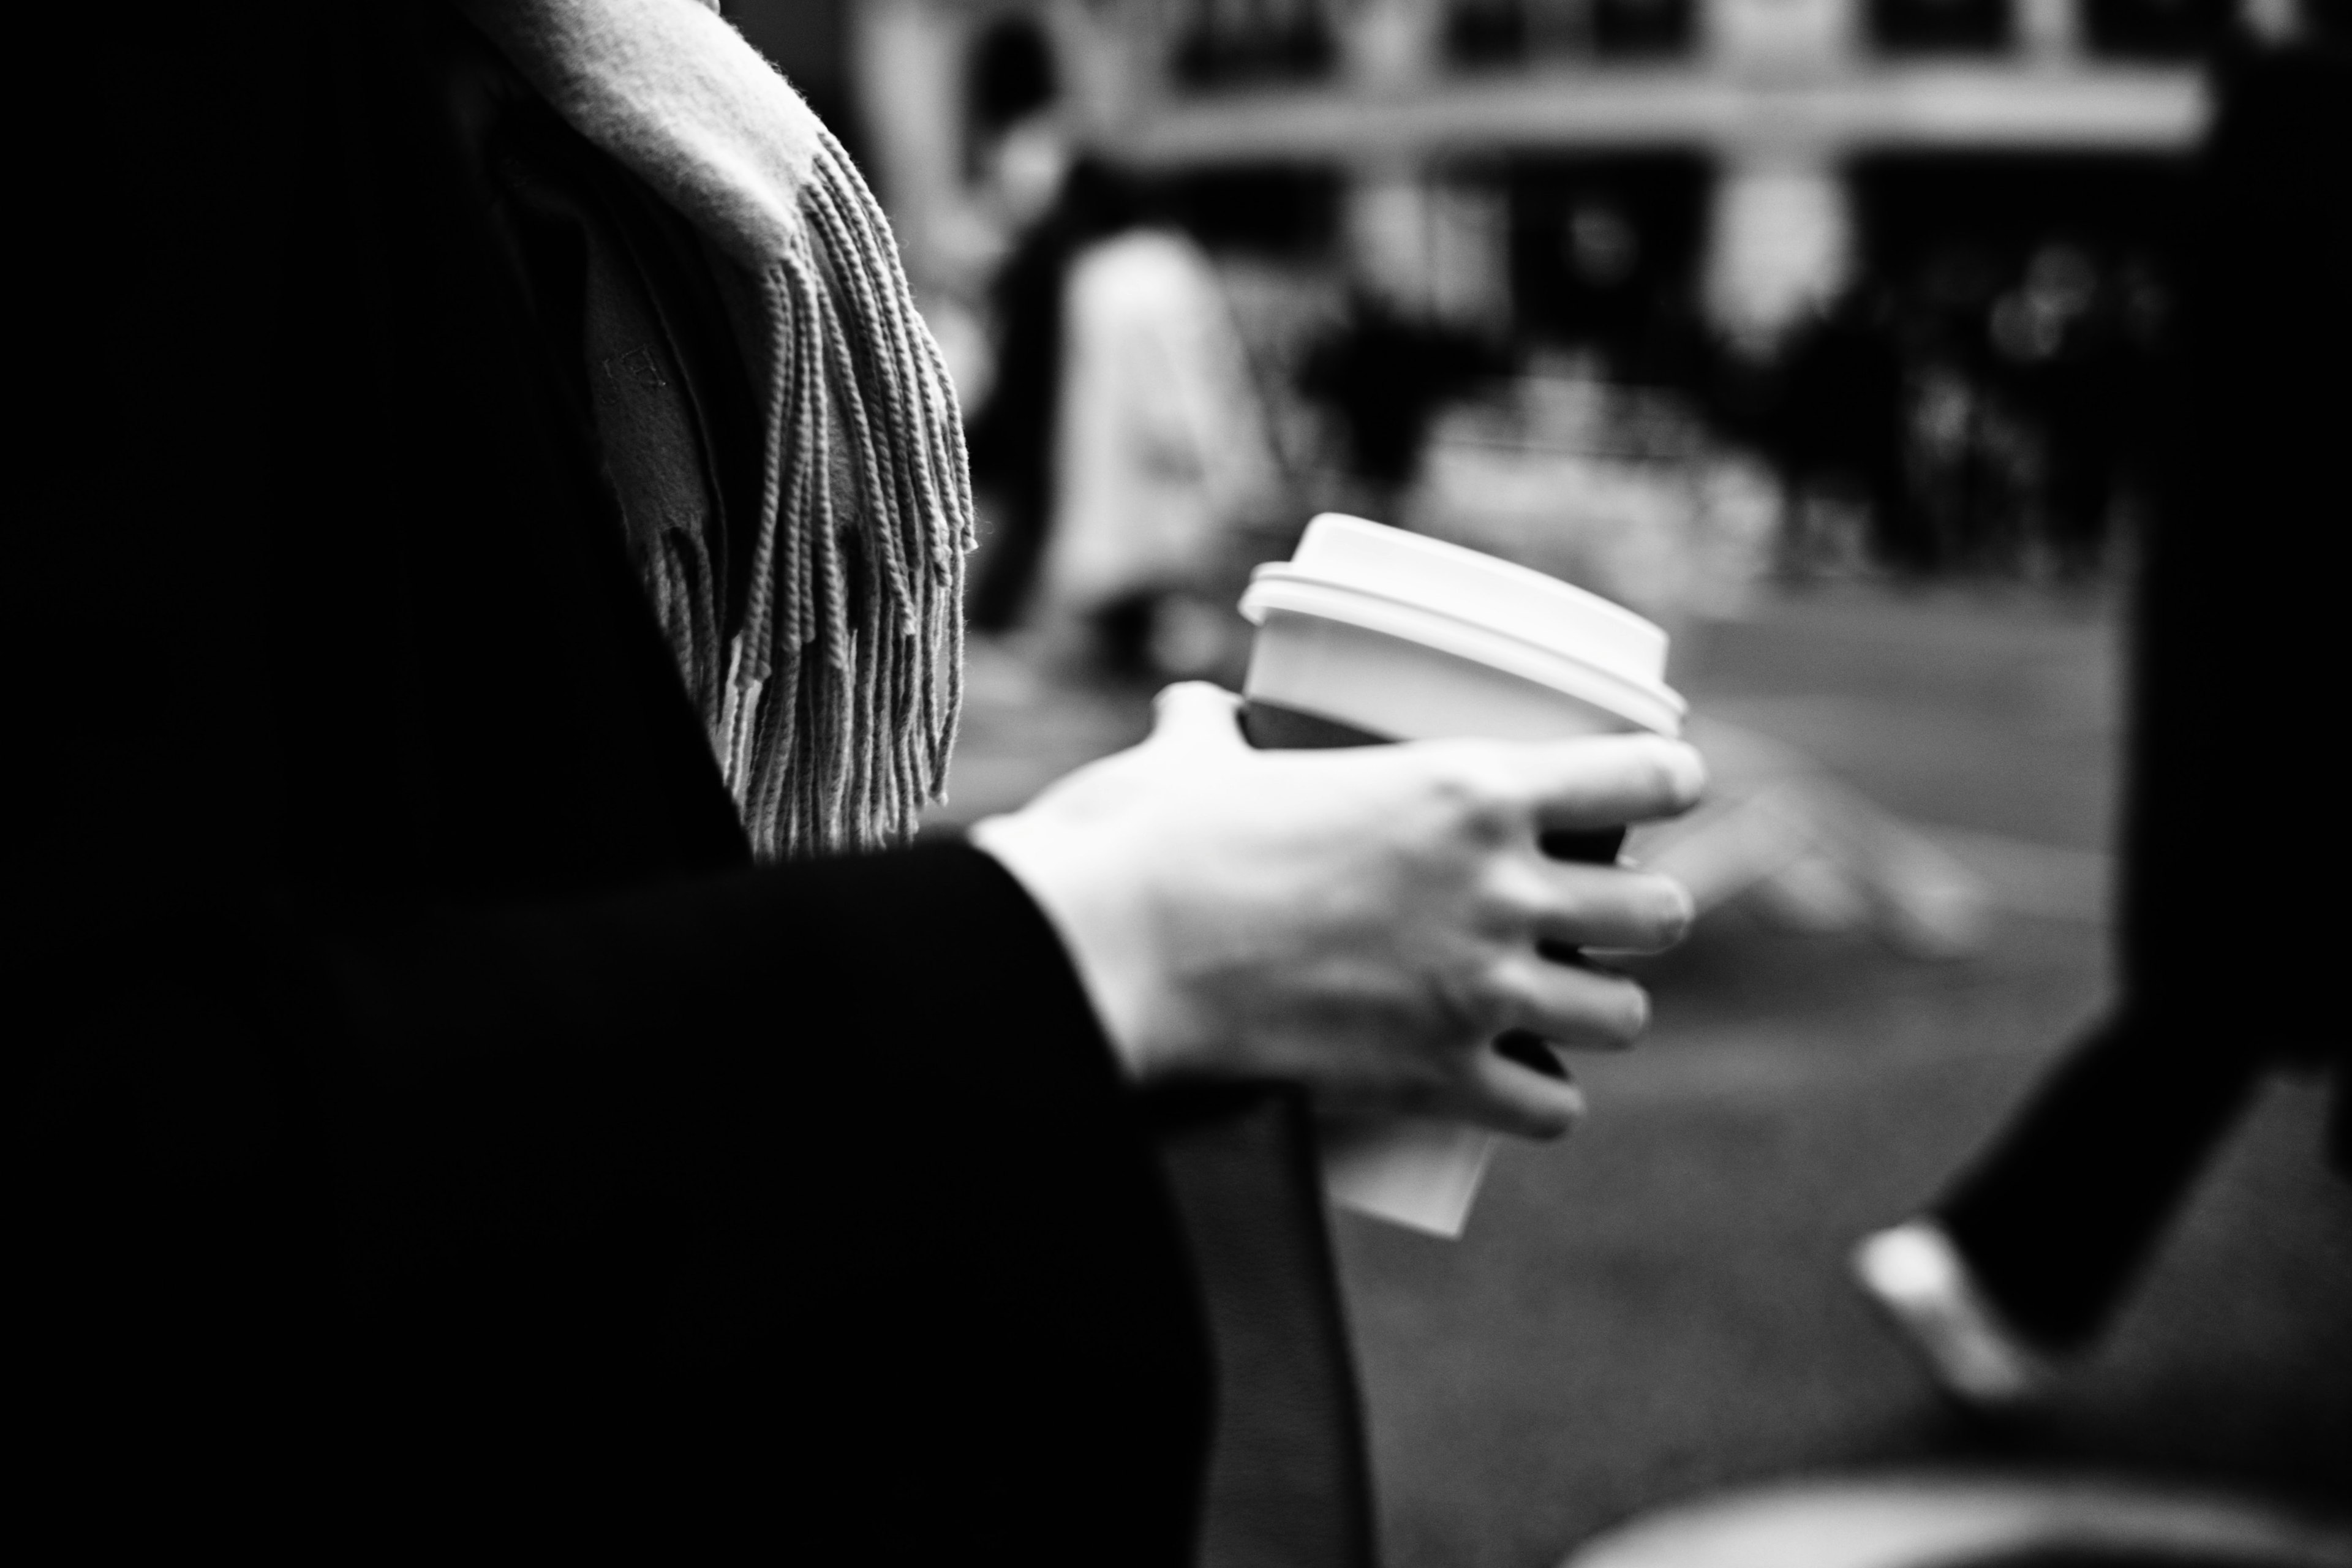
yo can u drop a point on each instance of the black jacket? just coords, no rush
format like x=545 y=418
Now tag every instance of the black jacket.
x=427 y=1126
x=2233 y=856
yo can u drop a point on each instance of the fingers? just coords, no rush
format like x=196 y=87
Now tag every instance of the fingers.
x=1611 y=906
x=1606 y=781
x=1501 y=1094
x=1193 y=713
x=1575 y=1004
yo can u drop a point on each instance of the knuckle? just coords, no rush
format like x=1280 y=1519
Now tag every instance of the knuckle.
x=1514 y=901
x=1507 y=991
x=1482 y=796
x=1469 y=1003
x=1619 y=1013
x=1512 y=990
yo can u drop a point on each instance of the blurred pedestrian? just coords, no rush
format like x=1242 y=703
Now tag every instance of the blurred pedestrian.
x=1160 y=447
x=1123 y=434
x=2061 y=333
x=1024 y=159
x=1386 y=377
x=2025 y=1258
x=1833 y=415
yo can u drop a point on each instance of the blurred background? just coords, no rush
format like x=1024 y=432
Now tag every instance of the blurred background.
x=1833 y=335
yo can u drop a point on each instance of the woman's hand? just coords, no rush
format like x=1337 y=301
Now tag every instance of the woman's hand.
x=1363 y=921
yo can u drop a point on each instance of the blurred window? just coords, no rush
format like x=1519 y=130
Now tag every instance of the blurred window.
x=1603 y=252
x=1641 y=26
x=1224 y=43
x=1518 y=32
x=1486 y=32
x=1010 y=74
x=1285 y=210
x=2020 y=309
x=1911 y=207
x=1941 y=26
x=2156 y=29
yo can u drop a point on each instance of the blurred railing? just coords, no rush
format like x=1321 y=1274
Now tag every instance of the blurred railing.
x=1834 y=211
x=1832 y=78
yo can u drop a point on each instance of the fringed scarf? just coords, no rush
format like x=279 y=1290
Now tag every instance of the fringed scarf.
x=839 y=700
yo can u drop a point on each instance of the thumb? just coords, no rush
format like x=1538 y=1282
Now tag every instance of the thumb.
x=1197 y=716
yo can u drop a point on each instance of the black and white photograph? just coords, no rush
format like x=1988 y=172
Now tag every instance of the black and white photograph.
x=1182 y=783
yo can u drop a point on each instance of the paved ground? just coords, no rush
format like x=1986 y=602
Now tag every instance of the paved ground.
x=1656 y=1307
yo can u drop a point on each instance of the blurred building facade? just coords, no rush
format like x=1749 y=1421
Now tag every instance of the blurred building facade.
x=1738 y=139
x=1918 y=252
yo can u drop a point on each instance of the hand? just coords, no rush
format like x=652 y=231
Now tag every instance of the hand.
x=1363 y=921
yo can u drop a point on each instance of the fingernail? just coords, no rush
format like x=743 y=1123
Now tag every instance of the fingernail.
x=1690 y=773
x=1686 y=915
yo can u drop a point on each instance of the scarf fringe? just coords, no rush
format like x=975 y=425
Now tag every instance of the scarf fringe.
x=838 y=713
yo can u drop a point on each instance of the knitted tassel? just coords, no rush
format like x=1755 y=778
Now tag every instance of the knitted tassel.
x=841 y=703
x=837 y=711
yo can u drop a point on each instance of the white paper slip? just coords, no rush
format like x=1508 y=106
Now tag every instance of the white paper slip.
x=1409 y=1170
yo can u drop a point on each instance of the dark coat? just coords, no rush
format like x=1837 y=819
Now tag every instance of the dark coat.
x=2234 y=853
x=427 y=1126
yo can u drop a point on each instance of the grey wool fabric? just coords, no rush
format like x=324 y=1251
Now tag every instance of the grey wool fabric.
x=836 y=711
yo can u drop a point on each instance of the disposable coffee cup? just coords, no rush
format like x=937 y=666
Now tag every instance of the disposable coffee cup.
x=1369 y=635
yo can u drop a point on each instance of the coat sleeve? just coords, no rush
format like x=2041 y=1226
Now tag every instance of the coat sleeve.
x=620 y=1202
x=421 y=1124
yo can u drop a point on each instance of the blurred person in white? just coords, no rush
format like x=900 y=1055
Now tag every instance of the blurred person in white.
x=1021 y=158
x=1122 y=435
x=1159 y=446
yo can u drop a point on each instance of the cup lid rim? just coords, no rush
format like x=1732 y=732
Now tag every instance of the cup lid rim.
x=1278 y=587
x=1393 y=542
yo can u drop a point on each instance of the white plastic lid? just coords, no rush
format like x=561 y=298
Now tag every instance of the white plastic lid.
x=1475 y=606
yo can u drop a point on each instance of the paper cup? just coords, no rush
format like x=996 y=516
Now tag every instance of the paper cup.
x=1370 y=634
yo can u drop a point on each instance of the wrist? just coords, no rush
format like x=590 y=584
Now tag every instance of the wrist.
x=1103 y=936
